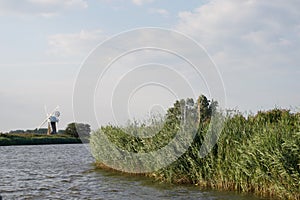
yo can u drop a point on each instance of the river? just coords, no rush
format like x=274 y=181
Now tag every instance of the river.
x=67 y=172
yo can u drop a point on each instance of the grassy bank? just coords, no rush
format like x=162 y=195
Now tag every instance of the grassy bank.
x=258 y=154
x=36 y=139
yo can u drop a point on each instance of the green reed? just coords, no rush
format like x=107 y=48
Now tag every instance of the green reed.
x=259 y=153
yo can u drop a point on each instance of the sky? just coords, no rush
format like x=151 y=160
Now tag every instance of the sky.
x=254 y=44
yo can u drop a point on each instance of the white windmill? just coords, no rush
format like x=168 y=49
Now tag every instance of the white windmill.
x=52 y=120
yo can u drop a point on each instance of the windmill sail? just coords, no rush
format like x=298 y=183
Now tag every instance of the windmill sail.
x=54 y=113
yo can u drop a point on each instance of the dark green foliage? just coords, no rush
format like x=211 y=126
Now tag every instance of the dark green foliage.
x=35 y=139
x=35 y=131
x=16 y=131
x=78 y=130
x=203 y=108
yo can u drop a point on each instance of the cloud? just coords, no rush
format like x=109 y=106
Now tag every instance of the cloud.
x=256 y=45
x=240 y=27
x=75 y=44
x=44 y=8
x=159 y=11
x=141 y=2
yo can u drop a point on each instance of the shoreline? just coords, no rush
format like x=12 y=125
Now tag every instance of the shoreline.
x=268 y=193
x=36 y=139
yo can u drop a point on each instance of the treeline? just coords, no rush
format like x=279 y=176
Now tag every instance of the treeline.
x=73 y=129
x=74 y=133
x=257 y=153
x=36 y=139
x=34 y=131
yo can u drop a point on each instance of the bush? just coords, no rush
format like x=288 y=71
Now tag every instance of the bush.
x=78 y=130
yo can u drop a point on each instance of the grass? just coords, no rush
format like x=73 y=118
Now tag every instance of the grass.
x=36 y=139
x=258 y=154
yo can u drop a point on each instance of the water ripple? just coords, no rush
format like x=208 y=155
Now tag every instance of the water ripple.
x=66 y=172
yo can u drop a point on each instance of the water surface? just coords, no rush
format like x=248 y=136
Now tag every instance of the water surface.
x=66 y=172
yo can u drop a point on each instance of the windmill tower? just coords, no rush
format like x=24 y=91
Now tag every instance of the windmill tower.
x=52 y=120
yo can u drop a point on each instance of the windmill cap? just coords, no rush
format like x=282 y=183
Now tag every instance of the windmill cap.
x=53 y=119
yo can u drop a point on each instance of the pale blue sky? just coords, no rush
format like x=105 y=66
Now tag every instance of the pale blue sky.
x=255 y=44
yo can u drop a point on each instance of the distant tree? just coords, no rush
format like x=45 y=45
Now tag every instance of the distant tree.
x=174 y=113
x=78 y=130
x=29 y=131
x=61 y=131
x=42 y=131
x=213 y=107
x=16 y=131
x=190 y=102
x=203 y=108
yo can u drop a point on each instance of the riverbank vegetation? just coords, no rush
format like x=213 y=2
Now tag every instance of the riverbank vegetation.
x=36 y=139
x=79 y=130
x=258 y=153
x=74 y=133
